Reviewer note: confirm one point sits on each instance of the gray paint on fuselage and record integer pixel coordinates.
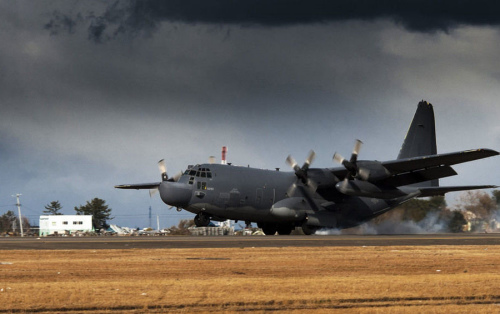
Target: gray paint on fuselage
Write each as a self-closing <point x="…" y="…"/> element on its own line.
<point x="243" y="193"/>
<point x="239" y="193"/>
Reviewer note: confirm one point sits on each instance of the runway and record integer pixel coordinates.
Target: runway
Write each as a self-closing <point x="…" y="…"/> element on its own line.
<point x="100" y="243"/>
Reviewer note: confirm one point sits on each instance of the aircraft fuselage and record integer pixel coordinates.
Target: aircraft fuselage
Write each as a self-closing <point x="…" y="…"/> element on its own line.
<point x="255" y="195"/>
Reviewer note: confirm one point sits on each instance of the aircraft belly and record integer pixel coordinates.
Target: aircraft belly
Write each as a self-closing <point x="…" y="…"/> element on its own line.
<point x="357" y="210"/>
<point x="246" y="213"/>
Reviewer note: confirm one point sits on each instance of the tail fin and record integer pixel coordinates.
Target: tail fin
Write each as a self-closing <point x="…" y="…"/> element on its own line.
<point x="421" y="137"/>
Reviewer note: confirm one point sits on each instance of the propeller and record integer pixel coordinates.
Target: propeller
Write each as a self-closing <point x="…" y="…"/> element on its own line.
<point x="164" y="177"/>
<point x="351" y="164"/>
<point x="301" y="173"/>
<point x="163" y="171"/>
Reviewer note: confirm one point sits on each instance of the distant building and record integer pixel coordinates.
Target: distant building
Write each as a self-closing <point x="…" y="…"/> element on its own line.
<point x="65" y="224"/>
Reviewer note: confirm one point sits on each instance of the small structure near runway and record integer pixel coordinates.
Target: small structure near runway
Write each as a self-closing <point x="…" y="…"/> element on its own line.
<point x="65" y="224"/>
<point x="211" y="231"/>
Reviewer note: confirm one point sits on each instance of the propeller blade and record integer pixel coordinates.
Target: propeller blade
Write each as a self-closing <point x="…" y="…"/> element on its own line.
<point x="347" y="164"/>
<point x="161" y="166"/>
<point x="291" y="162"/>
<point x="163" y="169"/>
<point x="309" y="160"/>
<point x="364" y="174"/>
<point x="343" y="185"/>
<point x="177" y="176"/>
<point x="312" y="186"/>
<point x="152" y="192"/>
<point x="308" y="197"/>
<point x="291" y="190"/>
<point x="350" y="165"/>
<point x="355" y="151"/>
<point x="338" y="158"/>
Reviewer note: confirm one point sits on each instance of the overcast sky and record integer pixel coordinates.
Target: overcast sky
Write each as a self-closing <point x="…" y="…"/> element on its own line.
<point x="94" y="93"/>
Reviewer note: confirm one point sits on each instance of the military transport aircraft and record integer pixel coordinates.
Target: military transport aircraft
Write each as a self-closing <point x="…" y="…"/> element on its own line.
<point x="313" y="198"/>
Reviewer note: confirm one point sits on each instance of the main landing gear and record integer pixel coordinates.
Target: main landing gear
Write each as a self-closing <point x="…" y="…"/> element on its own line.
<point x="201" y="220"/>
<point x="285" y="229"/>
<point x="308" y="230"/>
<point x="271" y="229"/>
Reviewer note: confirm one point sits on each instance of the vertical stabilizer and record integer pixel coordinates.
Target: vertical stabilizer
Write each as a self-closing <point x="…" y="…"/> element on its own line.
<point x="421" y="137"/>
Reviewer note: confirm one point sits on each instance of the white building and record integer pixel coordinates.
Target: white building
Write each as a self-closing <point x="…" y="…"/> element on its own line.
<point x="62" y="224"/>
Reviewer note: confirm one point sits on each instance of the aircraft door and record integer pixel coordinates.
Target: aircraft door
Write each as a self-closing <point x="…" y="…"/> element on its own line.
<point x="234" y="198"/>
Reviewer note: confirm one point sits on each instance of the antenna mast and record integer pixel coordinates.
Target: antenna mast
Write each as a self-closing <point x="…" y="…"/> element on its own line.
<point x="150" y="217"/>
<point x="19" y="211"/>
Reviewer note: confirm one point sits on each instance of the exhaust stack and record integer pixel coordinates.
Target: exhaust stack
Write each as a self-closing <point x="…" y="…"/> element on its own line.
<point x="224" y="152"/>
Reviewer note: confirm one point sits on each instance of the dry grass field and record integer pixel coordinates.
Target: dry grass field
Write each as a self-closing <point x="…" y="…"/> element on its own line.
<point x="439" y="279"/>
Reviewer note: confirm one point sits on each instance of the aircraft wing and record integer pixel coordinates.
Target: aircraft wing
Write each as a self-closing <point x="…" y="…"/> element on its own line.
<point x="142" y="186"/>
<point x="417" y="163"/>
<point x="425" y="168"/>
<point x="434" y="191"/>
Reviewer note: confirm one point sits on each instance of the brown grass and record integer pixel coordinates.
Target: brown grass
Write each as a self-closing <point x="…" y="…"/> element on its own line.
<point x="439" y="279"/>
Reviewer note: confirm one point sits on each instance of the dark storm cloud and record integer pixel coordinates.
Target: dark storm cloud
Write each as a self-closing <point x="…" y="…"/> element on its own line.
<point x="63" y="23"/>
<point x="135" y="17"/>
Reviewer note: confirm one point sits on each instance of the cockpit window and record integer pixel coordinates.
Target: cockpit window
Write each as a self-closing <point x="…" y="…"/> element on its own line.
<point x="198" y="172"/>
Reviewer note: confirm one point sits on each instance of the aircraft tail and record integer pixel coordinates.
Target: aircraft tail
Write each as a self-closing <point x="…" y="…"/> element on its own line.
<point x="421" y="137"/>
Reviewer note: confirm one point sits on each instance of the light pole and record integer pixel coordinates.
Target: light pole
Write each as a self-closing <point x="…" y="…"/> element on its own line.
<point x="19" y="211"/>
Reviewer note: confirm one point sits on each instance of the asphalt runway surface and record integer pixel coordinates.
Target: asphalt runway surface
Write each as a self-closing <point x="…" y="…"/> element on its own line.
<point x="166" y="242"/>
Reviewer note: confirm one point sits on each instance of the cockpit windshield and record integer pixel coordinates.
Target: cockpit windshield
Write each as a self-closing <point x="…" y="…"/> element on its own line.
<point x="198" y="171"/>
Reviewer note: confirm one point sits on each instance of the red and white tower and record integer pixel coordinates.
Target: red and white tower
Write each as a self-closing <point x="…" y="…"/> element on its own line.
<point x="224" y="153"/>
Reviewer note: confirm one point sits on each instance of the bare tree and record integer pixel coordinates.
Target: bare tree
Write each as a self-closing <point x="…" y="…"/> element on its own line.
<point x="479" y="203"/>
<point x="182" y="228"/>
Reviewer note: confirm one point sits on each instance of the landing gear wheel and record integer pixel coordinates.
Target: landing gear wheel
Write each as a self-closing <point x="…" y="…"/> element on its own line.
<point x="269" y="229"/>
<point x="308" y="230"/>
<point x="201" y="220"/>
<point x="284" y="229"/>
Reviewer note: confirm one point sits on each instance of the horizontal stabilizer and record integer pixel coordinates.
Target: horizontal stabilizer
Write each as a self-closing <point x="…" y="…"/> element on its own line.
<point x="435" y="191"/>
<point x="143" y="186"/>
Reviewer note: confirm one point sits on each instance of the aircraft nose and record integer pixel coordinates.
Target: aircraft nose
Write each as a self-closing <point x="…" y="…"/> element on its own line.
<point x="175" y="193"/>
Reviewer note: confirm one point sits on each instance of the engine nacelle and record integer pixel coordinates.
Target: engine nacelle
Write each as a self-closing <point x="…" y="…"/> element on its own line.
<point x="367" y="189"/>
<point x="372" y="171"/>
<point x="175" y="193"/>
<point x="291" y="209"/>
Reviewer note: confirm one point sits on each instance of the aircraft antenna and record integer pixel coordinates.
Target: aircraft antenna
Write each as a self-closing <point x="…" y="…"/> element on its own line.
<point x="149" y="216"/>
